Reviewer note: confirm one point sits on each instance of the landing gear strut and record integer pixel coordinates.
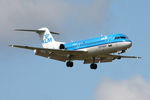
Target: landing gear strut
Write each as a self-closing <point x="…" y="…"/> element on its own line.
<point x="69" y="64"/>
<point x="119" y="58"/>
<point x="93" y="66"/>
<point x="123" y="51"/>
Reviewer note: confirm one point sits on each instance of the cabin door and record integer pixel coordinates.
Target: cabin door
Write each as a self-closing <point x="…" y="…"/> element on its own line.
<point x="109" y="42"/>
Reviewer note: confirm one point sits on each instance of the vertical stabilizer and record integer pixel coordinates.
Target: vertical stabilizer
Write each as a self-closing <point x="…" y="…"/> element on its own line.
<point x="46" y="38"/>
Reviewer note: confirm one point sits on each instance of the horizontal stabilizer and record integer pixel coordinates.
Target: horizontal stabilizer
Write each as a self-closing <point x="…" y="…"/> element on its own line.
<point x="37" y="31"/>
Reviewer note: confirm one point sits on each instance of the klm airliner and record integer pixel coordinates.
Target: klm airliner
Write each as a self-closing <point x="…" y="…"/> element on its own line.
<point x="91" y="51"/>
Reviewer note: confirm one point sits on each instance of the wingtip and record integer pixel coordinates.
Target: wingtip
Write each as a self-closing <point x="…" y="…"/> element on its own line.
<point x="11" y="45"/>
<point x="138" y="57"/>
<point x="16" y="29"/>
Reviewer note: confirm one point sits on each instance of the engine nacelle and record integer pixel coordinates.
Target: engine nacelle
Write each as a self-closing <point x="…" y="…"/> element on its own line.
<point x="62" y="46"/>
<point x="41" y="53"/>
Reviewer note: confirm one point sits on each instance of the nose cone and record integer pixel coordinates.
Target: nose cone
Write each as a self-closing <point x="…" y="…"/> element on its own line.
<point x="128" y="44"/>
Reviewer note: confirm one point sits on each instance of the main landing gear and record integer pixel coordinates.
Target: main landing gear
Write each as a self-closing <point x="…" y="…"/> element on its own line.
<point x="69" y="64"/>
<point x="119" y="58"/>
<point x="93" y="66"/>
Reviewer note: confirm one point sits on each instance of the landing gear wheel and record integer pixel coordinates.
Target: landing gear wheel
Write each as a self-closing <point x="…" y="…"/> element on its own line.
<point x="119" y="58"/>
<point x="69" y="64"/>
<point x="93" y="66"/>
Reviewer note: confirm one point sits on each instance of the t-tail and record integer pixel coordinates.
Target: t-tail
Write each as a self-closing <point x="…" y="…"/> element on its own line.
<point x="45" y="37"/>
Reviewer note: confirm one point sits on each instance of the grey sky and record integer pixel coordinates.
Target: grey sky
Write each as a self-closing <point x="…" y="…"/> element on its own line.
<point x="54" y="14"/>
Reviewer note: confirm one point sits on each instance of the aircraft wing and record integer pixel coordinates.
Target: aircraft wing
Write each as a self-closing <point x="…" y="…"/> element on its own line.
<point x="107" y="58"/>
<point x="116" y="56"/>
<point x="63" y="55"/>
<point x="55" y="51"/>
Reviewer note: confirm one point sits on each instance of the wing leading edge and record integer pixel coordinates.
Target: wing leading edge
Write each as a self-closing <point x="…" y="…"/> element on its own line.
<point x="57" y="51"/>
<point x="107" y="58"/>
<point x="120" y="56"/>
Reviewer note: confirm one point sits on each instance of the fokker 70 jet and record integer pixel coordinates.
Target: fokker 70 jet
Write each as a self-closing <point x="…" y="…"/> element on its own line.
<point x="91" y="51"/>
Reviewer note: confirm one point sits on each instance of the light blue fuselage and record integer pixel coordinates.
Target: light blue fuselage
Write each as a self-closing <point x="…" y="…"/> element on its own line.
<point x="111" y="43"/>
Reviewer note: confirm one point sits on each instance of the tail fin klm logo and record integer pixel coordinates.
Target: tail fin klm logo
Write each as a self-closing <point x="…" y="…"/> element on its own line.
<point x="47" y="38"/>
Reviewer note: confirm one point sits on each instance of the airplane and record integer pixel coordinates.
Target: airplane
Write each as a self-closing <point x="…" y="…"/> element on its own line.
<point x="91" y="51"/>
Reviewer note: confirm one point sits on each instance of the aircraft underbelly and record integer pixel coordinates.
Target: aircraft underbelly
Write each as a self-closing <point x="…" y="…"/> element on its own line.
<point x="106" y="48"/>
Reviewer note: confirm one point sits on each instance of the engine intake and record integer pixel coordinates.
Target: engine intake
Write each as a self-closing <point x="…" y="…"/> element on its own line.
<point x="62" y="46"/>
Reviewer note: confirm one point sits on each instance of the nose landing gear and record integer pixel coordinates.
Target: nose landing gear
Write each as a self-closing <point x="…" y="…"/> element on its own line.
<point x="122" y="51"/>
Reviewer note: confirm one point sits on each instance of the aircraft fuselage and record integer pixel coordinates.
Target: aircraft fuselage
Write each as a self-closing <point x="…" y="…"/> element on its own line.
<point x="101" y="45"/>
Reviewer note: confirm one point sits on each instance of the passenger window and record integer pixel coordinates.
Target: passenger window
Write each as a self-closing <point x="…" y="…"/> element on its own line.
<point x="123" y="37"/>
<point x="117" y="37"/>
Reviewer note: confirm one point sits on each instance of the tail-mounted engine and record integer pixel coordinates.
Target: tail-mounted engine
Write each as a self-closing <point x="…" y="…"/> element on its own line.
<point x="62" y="46"/>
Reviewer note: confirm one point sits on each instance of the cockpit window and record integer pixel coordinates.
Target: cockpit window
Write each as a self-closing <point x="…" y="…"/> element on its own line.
<point x="121" y="37"/>
<point x="117" y="37"/>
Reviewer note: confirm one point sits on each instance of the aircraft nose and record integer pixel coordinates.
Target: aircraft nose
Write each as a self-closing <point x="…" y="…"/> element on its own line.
<point x="128" y="44"/>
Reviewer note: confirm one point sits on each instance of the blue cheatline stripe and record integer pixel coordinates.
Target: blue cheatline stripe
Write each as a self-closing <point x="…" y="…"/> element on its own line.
<point x="79" y="47"/>
<point x="92" y="45"/>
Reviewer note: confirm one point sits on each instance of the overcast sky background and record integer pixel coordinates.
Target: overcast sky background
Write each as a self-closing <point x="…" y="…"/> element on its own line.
<point x="24" y="76"/>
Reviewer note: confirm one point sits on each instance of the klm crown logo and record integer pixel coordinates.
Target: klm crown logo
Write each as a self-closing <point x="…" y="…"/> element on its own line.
<point x="47" y="38"/>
